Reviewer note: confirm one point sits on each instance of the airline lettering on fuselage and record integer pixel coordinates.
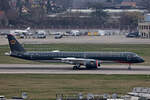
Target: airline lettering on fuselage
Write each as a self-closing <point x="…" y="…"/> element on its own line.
<point x="12" y="42"/>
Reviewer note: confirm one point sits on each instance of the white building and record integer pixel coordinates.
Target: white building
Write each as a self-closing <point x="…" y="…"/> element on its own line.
<point x="144" y="27"/>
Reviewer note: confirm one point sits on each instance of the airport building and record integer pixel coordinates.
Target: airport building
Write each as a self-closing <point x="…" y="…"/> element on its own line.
<point x="144" y="27"/>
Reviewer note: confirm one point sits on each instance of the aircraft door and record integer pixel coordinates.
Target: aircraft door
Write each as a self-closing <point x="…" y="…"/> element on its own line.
<point x="31" y="56"/>
<point x="129" y="57"/>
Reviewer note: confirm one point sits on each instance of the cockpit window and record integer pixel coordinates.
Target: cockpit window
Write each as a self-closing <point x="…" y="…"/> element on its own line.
<point x="135" y="55"/>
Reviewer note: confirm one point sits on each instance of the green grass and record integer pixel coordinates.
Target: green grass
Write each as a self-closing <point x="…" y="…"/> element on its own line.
<point x="44" y="87"/>
<point x="141" y="49"/>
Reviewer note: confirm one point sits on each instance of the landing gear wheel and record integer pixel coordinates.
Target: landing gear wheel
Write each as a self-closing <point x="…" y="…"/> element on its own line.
<point x="75" y="68"/>
<point x="129" y="68"/>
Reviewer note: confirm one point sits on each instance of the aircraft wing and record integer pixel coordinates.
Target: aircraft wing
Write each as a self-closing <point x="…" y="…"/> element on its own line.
<point x="82" y="61"/>
<point x="75" y="60"/>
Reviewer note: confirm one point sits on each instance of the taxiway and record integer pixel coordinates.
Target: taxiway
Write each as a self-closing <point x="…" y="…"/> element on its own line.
<point x="117" y="39"/>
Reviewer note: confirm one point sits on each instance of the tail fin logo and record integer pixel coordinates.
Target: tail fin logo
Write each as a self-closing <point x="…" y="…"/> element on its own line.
<point x="12" y="41"/>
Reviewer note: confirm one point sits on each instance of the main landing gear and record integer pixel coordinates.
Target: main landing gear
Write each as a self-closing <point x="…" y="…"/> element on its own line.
<point x="76" y="67"/>
<point x="129" y="68"/>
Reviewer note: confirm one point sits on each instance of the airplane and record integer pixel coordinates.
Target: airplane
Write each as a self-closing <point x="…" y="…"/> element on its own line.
<point x="91" y="60"/>
<point x="21" y="32"/>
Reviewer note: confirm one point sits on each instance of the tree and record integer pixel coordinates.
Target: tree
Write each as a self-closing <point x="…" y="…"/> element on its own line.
<point x="48" y="6"/>
<point x="64" y="3"/>
<point x="27" y="4"/>
<point x="98" y="13"/>
<point x="109" y="1"/>
<point x="130" y="20"/>
<point x="4" y="5"/>
<point x="19" y="5"/>
<point x="98" y="7"/>
<point x="37" y="15"/>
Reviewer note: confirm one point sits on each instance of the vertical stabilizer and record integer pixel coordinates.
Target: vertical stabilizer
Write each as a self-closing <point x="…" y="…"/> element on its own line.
<point x="15" y="46"/>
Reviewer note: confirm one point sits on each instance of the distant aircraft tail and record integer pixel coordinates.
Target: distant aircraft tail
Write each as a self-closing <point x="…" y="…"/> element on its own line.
<point x="15" y="46"/>
<point x="28" y="29"/>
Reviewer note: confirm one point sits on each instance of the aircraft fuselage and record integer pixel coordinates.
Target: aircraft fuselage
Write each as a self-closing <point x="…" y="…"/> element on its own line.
<point x="122" y="57"/>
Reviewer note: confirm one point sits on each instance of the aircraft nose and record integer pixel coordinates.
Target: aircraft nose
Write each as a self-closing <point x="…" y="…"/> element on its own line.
<point x="141" y="60"/>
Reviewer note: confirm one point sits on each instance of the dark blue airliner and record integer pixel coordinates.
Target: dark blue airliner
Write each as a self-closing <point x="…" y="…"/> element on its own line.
<point x="90" y="60"/>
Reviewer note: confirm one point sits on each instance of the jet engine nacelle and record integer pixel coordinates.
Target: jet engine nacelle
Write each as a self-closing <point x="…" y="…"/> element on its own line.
<point x="92" y="64"/>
